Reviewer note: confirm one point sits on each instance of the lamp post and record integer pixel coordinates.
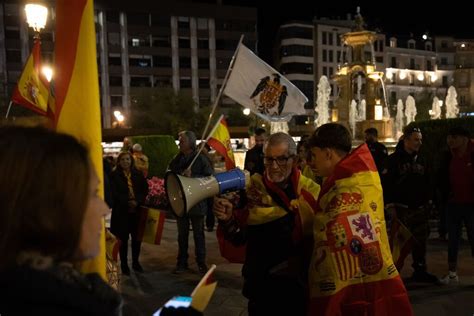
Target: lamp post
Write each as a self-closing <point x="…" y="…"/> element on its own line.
<point x="36" y="16"/>
<point x="119" y="119"/>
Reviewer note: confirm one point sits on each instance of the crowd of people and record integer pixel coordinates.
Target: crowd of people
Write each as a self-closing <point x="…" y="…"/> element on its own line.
<point x="312" y="219"/>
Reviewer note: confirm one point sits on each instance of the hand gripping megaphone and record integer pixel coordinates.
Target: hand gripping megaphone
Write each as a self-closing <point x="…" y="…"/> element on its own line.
<point x="183" y="192"/>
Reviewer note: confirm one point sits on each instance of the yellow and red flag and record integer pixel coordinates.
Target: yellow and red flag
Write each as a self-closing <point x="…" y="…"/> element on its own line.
<point x="32" y="90"/>
<point x="352" y="271"/>
<point x="401" y="242"/>
<point x="77" y="104"/>
<point x="202" y="294"/>
<point x="220" y="141"/>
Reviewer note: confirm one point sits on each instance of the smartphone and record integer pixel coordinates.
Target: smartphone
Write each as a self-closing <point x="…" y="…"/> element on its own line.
<point x="177" y="301"/>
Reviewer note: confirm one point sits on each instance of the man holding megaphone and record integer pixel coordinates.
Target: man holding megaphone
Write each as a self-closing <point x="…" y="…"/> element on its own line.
<point x="277" y="232"/>
<point x="200" y="168"/>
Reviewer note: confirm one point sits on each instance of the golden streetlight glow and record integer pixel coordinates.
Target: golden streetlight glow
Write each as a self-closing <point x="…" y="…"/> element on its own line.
<point x="36" y="16"/>
<point x="47" y="72"/>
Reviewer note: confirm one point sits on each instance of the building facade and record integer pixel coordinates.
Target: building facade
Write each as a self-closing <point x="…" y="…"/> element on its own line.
<point x="183" y="45"/>
<point x="422" y="67"/>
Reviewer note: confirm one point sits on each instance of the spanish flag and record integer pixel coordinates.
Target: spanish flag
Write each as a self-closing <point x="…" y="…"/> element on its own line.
<point x="77" y="105"/>
<point x="220" y="141"/>
<point x="32" y="90"/>
<point x="203" y="292"/>
<point x="401" y="243"/>
<point x="352" y="271"/>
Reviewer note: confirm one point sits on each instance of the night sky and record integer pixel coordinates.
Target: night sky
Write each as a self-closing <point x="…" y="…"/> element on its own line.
<point x="393" y="17"/>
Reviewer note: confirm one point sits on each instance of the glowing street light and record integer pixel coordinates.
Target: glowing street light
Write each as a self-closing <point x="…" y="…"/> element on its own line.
<point x="119" y="116"/>
<point x="246" y="111"/>
<point x="36" y="16"/>
<point x="47" y="72"/>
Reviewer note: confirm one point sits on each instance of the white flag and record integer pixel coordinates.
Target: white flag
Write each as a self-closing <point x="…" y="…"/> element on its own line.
<point x="257" y="86"/>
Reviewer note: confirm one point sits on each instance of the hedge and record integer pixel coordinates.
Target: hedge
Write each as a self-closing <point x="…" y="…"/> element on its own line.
<point x="159" y="149"/>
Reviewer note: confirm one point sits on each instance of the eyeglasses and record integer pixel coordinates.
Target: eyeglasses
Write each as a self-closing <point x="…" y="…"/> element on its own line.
<point x="281" y="161"/>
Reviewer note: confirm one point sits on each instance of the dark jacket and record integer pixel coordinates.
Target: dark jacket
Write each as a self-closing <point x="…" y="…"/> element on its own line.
<point x="25" y="291"/>
<point x="406" y="180"/>
<point x="201" y="168"/>
<point x="254" y="160"/>
<point x="443" y="183"/>
<point x="120" y="220"/>
<point x="379" y="153"/>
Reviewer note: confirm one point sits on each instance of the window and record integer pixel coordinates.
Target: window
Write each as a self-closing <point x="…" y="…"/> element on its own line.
<point x="139" y="81"/>
<point x="444" y="44"/>
<point x="381" y="45"/>
<point x="115" y="61"/>
<point x="115" y="81"/>
<point x="411" y="45"/>
<point x="12" y="34"/>
<point x="296" y="50"/>
<point x="161" y="41"/>
<point x="136" y="61"/>
<point x="412" y="63"/>
<point x="203" y="43"/>
<point x="185" y="82"/>
<point x="331" y="71"/>
<point x="138" y="19"/>
<point x="297" y="68"/>
<point x="184" y="42"/>
<point x="393" y="62"/>
<point x="338" y="39"/>
<point x="393" y="97"/>
<point x="429" y="67"/>
<point x="462" y="100"/>
<point x="185" y="62"/>
<point x="14" y="56"/>
<point x="338" y="56"/>
<point x="162" y="81"/>
<point x="135" y="42"/>
<point x="379" y="59"/>
<point x="296" y="32"/>
<point x="428" y="47"/>
<point x="226" y="44"/>
<point x="444" y="61"/>
<point x="113" y="17"/>
<point x="445" y="81"/>
<point x="325" y="38"/>
<point x="325" y="55"/>
<point x="116" y="100"/>
<point x="162" y="61"/>
<point x="202" y="24"/>
<point x="203" y="63"/>
<point x="325" y="71"/>
<point x="183" y="22"/>
<point x="158" y="20"/>
<point x="204" y="83"/>
<point x="330" y="38"/>
<point x="331" y="55"/>
<point x="113" y="38"/>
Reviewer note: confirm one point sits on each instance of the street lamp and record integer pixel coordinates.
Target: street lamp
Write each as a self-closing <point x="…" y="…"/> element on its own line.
<point x="246" y="111"/>
<point x="36" y="16"/>
<point x="47" y="72"/>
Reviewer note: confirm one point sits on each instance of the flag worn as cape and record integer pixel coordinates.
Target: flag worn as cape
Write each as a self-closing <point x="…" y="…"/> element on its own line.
<point x="77" y="105"/>
<point x="32" y="90"/>
<point x="352" y="271"/>
<point x="254" y="84"/>
<point x="220" y="141"/>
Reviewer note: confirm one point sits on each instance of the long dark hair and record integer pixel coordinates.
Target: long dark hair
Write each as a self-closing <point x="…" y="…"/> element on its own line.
<point x="44" y="191"/>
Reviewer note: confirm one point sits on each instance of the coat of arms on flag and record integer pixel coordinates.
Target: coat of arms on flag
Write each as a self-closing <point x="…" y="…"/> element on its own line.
<point x="270" y="95"/>
<point x="255" y="85"/>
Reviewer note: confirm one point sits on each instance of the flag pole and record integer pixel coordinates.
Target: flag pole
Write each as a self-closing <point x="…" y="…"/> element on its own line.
<point x="8" y="110"/>
<point x="216" y="101"/>
<point x="204" y="279"/>
<point x="205" y="141"/>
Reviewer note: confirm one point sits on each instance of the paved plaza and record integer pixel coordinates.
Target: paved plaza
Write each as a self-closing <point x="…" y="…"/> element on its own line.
<point x="144" y="293"/>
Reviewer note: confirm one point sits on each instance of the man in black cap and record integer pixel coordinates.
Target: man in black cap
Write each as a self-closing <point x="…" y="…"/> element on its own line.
<point x="378" y="150"/>
<point x="456" y="184"/>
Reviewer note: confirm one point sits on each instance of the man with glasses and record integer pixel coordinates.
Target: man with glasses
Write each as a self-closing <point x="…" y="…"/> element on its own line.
<point x="277" y="231"/>
<point x="407" y="195"/>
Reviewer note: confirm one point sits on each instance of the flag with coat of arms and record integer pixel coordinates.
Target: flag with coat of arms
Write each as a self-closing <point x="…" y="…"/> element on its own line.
<point x="255" y="85"/>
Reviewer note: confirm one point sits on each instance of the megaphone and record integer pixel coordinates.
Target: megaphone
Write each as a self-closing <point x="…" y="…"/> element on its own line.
<point x="183" y="192"/>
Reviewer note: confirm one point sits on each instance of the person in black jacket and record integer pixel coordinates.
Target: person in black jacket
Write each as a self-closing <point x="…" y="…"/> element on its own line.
<point x="407" y="193"/>
<point x="378" y="150"/>
<point x="201" y="168"/>
<point x="50" y="220"/>
<point x="129" y="190"/>
<point x="254" y="157"/>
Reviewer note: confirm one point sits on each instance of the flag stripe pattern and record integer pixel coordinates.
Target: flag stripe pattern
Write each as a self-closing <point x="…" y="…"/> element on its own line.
<point x="77" y="104"/>
<point x="220" y="141"/>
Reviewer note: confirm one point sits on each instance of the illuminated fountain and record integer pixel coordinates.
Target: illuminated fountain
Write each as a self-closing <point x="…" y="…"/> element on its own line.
<point x="358" y="80"/>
